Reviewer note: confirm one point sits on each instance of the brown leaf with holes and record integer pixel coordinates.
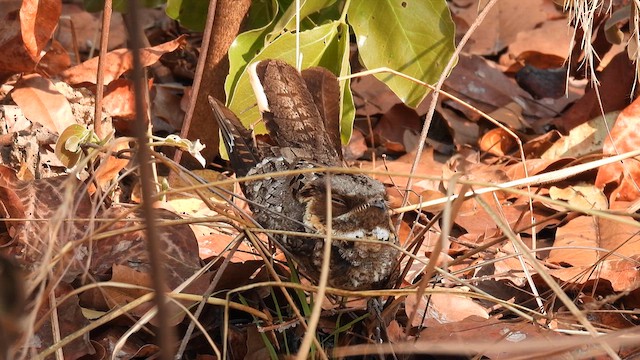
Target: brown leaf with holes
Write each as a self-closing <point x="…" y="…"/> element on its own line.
<point x="129" y="248"/>
<point x="45" y="208"/>
<point x="118" y="62"/>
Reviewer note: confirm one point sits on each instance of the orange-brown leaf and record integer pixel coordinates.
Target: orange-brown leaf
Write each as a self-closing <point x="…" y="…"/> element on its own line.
<point x="42" y="103"/>
<point x="118" y="62"/>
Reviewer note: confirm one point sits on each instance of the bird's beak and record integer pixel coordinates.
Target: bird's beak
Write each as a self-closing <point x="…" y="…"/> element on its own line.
<point x="379" y="203"/>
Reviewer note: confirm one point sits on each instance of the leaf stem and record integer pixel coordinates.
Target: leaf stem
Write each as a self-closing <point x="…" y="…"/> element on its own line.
<point x="343" y="16"/>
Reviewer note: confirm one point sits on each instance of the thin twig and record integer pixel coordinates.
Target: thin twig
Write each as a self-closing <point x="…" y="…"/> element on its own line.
<point x="104" y="44"/>
<point x="166" y="338"/>
<point x="324" y="277"/>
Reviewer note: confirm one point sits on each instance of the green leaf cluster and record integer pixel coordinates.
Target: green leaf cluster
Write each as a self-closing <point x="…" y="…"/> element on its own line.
<point x="415" y="37"/>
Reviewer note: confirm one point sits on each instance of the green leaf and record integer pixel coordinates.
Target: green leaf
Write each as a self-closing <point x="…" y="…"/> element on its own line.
<point x="307" y="7"/>
<point x="191" y="14"/>
<point x="118" y="5"/>
<point x="324" y="45"/>
<point x="347" y="108"/>
<point x="411" y="36"/>
<point x="261" y="13"/>
<point x="247" y="45"/>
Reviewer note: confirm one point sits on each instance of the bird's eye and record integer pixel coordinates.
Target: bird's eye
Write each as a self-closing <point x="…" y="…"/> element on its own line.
<point x="338" y="201"/>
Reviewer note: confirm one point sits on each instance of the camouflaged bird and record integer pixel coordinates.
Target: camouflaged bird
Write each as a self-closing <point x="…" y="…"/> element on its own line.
<point x="301" y="113"/>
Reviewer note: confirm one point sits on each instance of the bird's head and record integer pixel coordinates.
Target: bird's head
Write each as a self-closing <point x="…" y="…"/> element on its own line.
<point x="359" y="207"/>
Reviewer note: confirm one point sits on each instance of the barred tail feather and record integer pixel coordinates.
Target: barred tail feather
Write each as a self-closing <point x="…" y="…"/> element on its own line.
<point x="237" y="139"/>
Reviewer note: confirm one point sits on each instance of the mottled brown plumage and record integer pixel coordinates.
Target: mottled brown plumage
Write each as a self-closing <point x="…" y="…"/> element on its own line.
<point x="298" y="202"/>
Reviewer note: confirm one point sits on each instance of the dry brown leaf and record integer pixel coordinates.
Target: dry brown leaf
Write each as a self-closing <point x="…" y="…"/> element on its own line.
<point x="535" y="166"/>
<point x="478" y="83"/>
<point x="42" y="103"/>
<point x="594" y="233"/>
<point x="118" y="62"/>
<point x="391" y="129"/>
<point x="584" y="139"/>
<point x="87" y="29"/>
<point x="550" y="38"/>
<point x="616" y="83"/>
<point x="395" y="332"/>
<point x="511" y="116"/>
<point x="509" y="266"/>
<point x="129" y="248"/>
<point x="622" y="274"/>
<point x="134" y="348"/>
<point x="371" y="96"/>
<point x="625" y="175"/>
<point x="110" y="168"/>
<point x="41" y="205"/>
<point x="216" y="242"/>
<point x="535" y="147"/>
<point x="543" y="83"/>
<point x="443" y="309"/>
<point x="536" y="59"/>
<point x="119" y="102"/>
<point x="463" y="130"/>
<point x="54" y="61"/>
<point x="119" y="99"/>
<point x="428" y="166"/>
<point x="38" y="20"/>
<point x="70" y="319"/>
<point x="166" y="107"/>
<point x="497" y="142"/>
<point x="507" y="19"/>
<point x="496" y="333"/>
<point x="256" y="347"/>
<point x="115" y="297"/>
<point x="356" y="147"/>
<point x="584" y="196"/>
<point x="14" y="57"/>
